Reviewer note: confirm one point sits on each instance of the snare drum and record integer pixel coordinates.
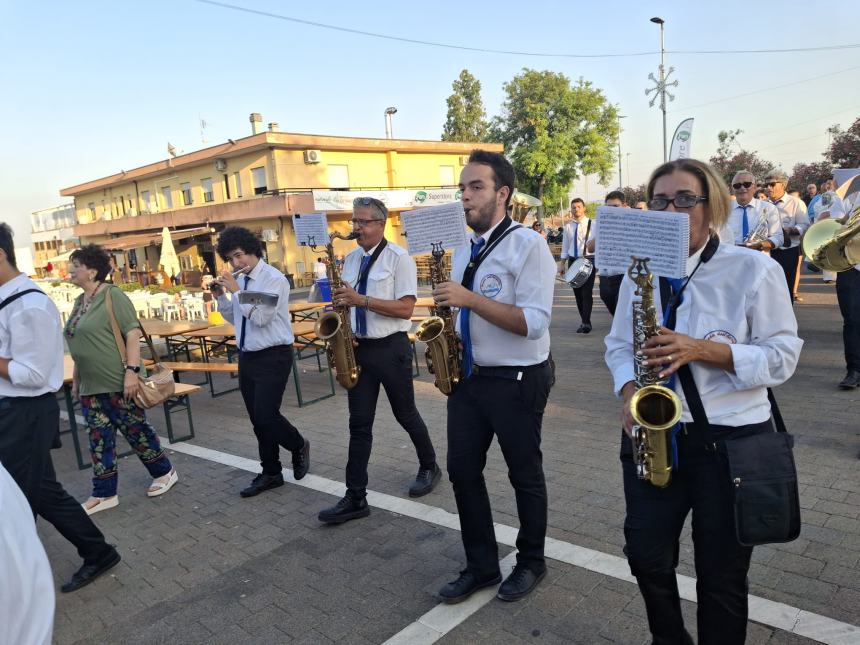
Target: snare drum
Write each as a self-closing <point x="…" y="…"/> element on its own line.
<point x="578" y="272"/>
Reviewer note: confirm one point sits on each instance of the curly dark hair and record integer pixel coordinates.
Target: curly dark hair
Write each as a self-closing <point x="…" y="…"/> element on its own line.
<point x="237" y="237"/>
<point x="93" y="257"/>
<point x="6" y="243"/>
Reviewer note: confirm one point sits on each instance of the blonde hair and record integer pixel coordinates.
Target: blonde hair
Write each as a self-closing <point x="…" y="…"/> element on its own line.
<point x="718" y="205"/>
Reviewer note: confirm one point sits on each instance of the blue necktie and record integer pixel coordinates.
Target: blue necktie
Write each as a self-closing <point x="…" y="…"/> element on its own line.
<point x="746" y="223"/>
<point x="361" y="312"/>
<point x="575" y="240"/>
<point x="244" y="319"/>
<point x="465" y="335"/>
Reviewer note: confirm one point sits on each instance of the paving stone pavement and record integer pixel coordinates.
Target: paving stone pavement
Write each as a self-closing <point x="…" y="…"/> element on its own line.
<point x="202" y="565"/>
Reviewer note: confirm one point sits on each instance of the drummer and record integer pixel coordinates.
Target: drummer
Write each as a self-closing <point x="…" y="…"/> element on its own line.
<point x="610" y="282"/>
<point x="574" y="237"/>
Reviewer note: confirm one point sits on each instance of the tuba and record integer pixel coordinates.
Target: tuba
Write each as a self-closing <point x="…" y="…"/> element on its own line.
<point x="655" y="408"/>
<point x="335" y="328"/>
<point x="443" y="353"/>
<point x="833" y="246"/>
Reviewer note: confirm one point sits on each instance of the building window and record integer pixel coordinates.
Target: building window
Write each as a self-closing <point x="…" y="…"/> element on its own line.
<point x="238" y="179"/>
<point x="144" y="201"/>
<point x="227" y="186"/>
<point x="446" y="176"/>
<point x="258" y="179"/>
<point x="208" y="193"/>
<point x="167" y="196"/>
<point x="338" y="176"/>
<point x="91" y="207"/>
<point x="186" y="194"/>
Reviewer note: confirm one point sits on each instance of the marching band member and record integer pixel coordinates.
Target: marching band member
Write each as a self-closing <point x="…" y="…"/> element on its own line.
<point x="736" y="329"/>
<point x="575" y="235"/>
<point x="265" y="339"/>
<point x="795" y="221"/>
<point x="382" y="298"/>
<point x="748" y="214"/>
<point x="503" y="284"/>
<point x="610" y="282"/>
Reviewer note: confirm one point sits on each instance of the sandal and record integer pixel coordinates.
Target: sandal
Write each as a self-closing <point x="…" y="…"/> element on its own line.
<point x="99" y="504"/>
<point x="159" y="488"/>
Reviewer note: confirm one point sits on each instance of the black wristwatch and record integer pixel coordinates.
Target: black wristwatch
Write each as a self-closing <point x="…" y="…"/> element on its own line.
<point x="133" y="368"/>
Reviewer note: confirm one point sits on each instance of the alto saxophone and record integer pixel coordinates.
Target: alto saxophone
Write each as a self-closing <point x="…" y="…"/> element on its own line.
<point x="655" y="408"/>
<point x="334" y="327"/>
<point x="443" y="346"/>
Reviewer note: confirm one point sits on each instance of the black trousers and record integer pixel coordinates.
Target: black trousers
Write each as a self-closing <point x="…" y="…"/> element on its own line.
<point x="386" y="362"/>
<point x="263" y="377"/>
<point x="652" y="528"/>
<point x="609" y="287"/>
<point x="788" y="260"/>
<point x="28" y="427"/>
<point x="848" y="294"/>
<point x="584" y="296"/>
<point x="511" y="410"/>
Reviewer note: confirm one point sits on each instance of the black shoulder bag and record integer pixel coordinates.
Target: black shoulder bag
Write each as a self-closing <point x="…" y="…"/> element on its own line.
<point x="762" y="473"/>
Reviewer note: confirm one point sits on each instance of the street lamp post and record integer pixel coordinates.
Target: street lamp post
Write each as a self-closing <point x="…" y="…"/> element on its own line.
<point x="389" y="132"/>
<point x="661" y="84"/>
<point x="620" y="180"/>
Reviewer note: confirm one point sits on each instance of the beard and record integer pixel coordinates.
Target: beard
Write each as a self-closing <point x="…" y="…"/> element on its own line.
<point x="480" y="219"/>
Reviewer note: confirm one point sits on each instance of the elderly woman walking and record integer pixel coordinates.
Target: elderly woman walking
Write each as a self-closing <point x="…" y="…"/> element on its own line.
<point x="105" y="385"/>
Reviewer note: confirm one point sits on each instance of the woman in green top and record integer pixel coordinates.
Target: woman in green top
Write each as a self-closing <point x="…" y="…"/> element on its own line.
<point x="105" y="386"/>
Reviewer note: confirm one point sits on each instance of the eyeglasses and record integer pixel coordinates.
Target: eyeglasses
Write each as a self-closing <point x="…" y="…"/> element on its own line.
<point x="683" y="200"/>
<point x="771" y="184"/>
<point x="742" y="184"/>
<point x="363" y="222"/>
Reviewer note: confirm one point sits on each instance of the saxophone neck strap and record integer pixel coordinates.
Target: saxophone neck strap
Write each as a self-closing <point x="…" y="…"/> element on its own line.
<point x="362" y="276"/>
<point x="502" y="231"/>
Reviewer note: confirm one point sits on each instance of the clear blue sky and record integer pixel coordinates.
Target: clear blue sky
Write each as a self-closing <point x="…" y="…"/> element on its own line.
<point x="96" y="86"/>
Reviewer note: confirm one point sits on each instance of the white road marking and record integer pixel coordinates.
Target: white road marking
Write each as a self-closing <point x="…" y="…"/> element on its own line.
<point x="443" y="618"/>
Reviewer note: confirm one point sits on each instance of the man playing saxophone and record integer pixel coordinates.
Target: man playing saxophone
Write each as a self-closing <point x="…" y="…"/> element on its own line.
<point x="753" y="223"/>
<point x="380" y="285"/>
<point x="732" y="322"/>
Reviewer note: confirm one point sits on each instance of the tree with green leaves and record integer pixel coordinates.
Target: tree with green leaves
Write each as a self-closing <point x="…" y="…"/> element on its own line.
<point x="844" y="150"/>
<point x="554" y="132"/>
<point x="731" y="157"/>
<point x="467" y="120"/>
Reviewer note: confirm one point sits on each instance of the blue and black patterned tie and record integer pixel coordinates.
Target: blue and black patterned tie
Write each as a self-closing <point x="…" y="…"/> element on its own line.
<point x="746" y="223"/>
<point x="465" y="335"/>
<point x="361" y="287"/>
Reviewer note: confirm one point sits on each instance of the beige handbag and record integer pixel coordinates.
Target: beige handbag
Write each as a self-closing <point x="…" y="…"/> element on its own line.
<point x="158" y="385"/>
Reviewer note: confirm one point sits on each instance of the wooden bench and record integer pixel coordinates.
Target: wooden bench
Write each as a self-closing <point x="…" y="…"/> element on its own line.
<point x="204" y="368"/>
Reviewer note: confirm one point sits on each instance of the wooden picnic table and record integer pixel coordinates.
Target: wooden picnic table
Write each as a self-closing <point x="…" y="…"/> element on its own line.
<point x="426" y="302"/>
<point x="172" y="328"/>
<point x="306" y="310"/>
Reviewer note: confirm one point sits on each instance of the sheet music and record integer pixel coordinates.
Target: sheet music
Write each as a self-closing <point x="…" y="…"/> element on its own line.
<point x="258" y="298"/>
<point x="426" y="227"/>
<point x="311" y="229"/>
<point x="660" y="235"/>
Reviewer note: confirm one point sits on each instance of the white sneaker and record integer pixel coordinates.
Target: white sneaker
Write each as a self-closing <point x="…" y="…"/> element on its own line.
<point x="98" y="504"/>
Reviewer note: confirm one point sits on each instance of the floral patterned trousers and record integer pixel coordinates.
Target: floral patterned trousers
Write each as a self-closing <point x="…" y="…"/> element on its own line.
<point x="106" y="414"/>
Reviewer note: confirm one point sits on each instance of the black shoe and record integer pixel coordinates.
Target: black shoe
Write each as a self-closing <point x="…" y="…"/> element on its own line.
<point x="348" y="508"/>
<point x="520" y="583"/>
<point x="465" y="586"/>
<point x="586" y="329"/>
<point x="89" y="572"/>
<point x="302" y="460"/>
<point x="851" y="380"/>
<point x="581" y="329"/>
<point x="261" y="483"/>
<point x="425" y="481"/>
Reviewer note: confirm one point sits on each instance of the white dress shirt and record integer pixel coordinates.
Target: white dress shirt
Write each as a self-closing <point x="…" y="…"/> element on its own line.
<point x="792" y="211"/>
<point x="581" y="231"/>
<point x="757" y="212"/>
<point x="26" y="584"/>
<point x="738" y="298"/>
<point x="266" y="326"/>
<point x="519" y="271"/>
<point x="391" y="277"/>
<point x="36" y="367"/>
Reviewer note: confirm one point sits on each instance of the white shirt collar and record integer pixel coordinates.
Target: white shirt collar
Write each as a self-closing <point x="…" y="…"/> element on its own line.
<point x="370" y="252"/>
<point x="10" y="287"/>
<point x="486" y="235"/>
<point x="693" y="260"/>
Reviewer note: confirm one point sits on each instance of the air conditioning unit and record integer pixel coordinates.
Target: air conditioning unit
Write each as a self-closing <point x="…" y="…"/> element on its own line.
<point x="313" y="156"/>
<point x="220" y="165"/>
<point x="269" y="235"/>
<point x="464" y="159"/>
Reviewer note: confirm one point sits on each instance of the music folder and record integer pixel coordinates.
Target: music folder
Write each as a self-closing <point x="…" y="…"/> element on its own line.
<point x="258" y="298"/>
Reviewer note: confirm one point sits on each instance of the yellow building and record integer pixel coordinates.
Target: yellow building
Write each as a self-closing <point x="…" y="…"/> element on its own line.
<point x="260" y="182"/>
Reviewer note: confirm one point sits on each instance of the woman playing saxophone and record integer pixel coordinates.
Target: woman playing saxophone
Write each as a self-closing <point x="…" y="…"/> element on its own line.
<point x="731" y="321"/>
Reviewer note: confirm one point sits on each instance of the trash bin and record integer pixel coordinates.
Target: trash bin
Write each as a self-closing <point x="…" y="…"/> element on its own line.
<point x="324" y="290"/>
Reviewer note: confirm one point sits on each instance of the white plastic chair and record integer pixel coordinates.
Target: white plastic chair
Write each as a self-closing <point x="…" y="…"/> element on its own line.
<point x="169" y="310"/>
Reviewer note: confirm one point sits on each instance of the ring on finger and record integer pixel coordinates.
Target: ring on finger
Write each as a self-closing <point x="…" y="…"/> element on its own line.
<point x="669" y="358"/>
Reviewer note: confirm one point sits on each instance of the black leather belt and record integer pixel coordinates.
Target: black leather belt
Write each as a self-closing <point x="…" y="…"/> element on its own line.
<point x="512" y="372"/>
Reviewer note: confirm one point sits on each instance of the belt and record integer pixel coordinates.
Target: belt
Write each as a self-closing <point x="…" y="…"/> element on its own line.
<point x="512" y="372"/>
<point x="385" y="339"/>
